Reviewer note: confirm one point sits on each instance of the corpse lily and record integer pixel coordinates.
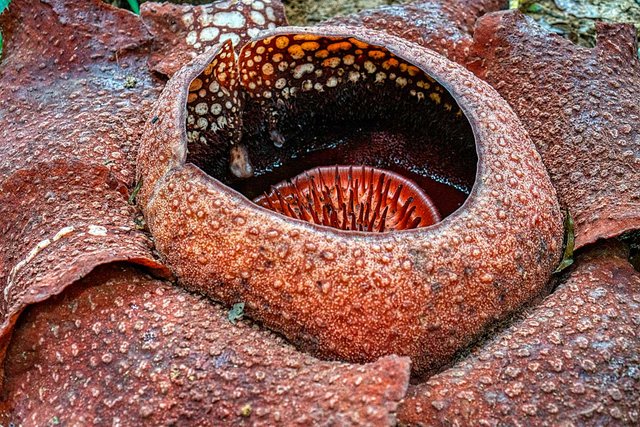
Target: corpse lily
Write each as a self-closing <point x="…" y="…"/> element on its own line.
<point x="351" y="294"/>
<point x="360" y="194"/>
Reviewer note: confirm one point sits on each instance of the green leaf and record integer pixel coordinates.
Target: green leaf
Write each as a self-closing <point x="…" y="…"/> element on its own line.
<point x="134" y="193"/>
<point x="133" y="4"/>
<point x="534" y="8"/>
<point x="514" y="4"/>
<point x="4" y="4"/>
<point x="236" y="312"/>
<point x="570" y="240"/>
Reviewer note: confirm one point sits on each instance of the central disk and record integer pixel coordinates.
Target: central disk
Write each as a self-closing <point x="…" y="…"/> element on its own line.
<point x="352" y="198"/>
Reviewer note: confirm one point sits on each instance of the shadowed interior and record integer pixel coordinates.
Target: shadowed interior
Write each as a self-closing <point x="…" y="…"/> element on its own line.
<point x="296" y="102"/>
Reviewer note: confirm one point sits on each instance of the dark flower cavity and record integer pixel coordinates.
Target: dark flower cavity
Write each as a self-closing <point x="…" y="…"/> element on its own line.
<point x="298" y="101"/>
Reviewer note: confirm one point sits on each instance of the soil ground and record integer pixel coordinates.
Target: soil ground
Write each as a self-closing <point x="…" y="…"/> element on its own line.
<point x="306" y="12"/>
<point x="576" y="19"/>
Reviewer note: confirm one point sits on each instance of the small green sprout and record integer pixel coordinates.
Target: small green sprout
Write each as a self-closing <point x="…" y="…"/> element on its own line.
<point x="534" y="8"/>
<point x="570" y="239"/>
<point x="134" y="193"/>
<point x="236" y="312"/>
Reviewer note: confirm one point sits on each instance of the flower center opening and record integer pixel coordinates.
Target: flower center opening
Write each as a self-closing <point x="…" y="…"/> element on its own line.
<point x="291" y="103"/>
<point x="352" y="198"/>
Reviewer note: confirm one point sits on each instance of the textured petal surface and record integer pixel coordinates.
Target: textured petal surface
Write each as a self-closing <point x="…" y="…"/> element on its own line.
<point x="352" y="296"/>
<point x="571" y="361"/>
<point x="74" y="98"/>
<point x="580" y="107"/>
<point x="181" y="32"/>
<point x="59" y="220"/>
<point x="71" y="90"/>
<point x="121" y="348"/>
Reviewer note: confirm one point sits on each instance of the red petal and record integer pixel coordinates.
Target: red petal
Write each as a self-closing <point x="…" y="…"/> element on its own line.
<point x="119" y="345"/>
<point x="571" y="360"/>
<point x="581" y="109"/>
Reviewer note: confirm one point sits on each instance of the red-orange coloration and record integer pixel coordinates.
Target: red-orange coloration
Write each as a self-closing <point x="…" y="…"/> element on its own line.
<point x="348" y="198"/>
<point x="425" y="292"/>
<point x="573" y="360"/>
<point x="84" y="340"/>
<point x="73" y="102"/>
<point x="122" y="347"/>
<point x="69" y="131"/>
<point x="587" y="123"/>
<point x="580" y="107"/>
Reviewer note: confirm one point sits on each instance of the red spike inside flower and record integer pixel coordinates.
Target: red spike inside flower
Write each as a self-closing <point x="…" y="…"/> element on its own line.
<point x="356" y="198"/>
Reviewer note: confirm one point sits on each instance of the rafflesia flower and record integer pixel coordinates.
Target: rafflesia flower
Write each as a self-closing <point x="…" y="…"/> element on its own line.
<point x="344" y="278"/>
<point x="344" y="186"/>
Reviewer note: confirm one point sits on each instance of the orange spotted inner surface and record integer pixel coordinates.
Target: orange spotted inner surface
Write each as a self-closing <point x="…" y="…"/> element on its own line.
<point x="353" y="198"/>
<point x="215" y="102"/>
<point x="285" y="65"/>
<point x="298" y="96"/>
